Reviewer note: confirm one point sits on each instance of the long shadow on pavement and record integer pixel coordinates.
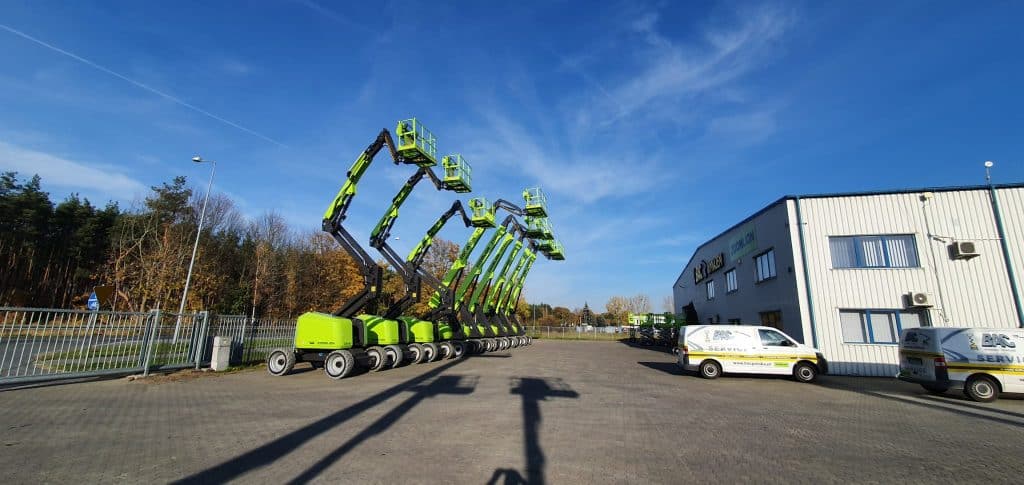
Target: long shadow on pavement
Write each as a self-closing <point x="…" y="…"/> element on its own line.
<point x="278" y="448"/>
<point x="654" y="347"/>
<point x="440" y="386"/>
<point x="666" y="367"/>
<point x="532" y="390"/>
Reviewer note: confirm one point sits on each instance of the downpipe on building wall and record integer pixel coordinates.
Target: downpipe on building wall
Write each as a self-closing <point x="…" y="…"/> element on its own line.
<point x="807" y="277"/>
<point x="1006" y="254"/>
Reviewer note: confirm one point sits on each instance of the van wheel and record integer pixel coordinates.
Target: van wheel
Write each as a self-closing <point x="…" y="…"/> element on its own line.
<point x="981" y="389"/>
<point x="710" y="369"/>
<point x="935" y="388"/>
<point x="804" y="372"/>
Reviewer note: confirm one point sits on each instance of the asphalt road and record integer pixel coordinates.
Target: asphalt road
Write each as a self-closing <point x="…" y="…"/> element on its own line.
<point x="556" y="412"/>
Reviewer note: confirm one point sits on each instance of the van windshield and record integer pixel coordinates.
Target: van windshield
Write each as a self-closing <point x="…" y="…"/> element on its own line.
<point x="771" y="338"/>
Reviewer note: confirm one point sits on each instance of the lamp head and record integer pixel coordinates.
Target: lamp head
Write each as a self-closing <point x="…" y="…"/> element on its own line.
<point x="197" y="159"/>
<point x="988" y="164"/>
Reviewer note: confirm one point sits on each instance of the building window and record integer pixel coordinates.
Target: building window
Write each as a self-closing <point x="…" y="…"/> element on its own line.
<point x="878" y="326"/>
<point x="711" y="289"/>
<point x="730" y="281"/>
<point x="765" y="263"/>
<point x="896" y="251"/>
<point x="771" y="319"/>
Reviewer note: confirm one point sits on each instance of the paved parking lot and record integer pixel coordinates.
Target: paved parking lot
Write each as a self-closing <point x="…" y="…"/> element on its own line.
<point x="559" y="411"/>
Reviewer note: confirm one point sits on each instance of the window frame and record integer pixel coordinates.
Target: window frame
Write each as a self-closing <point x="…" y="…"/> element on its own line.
<point x="858" y="251"/>
<point x="865" y="320"/>
<point x="709" y="289"/>
<point x="773" y="266"/>
<point x="735" y="282"/>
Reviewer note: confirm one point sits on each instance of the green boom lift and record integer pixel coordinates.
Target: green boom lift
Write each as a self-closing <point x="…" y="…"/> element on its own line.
<point x="340" y="340"/>
<point x="417" y="337"/>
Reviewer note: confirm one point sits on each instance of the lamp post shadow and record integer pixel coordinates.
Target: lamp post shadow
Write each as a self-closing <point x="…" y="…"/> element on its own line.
<point x="532" y="390"/>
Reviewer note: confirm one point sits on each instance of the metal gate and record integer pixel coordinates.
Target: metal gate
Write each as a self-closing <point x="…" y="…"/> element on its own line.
<point x="47" y="344"/>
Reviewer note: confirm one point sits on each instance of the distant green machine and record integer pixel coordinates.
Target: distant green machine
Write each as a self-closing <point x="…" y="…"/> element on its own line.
<point x="468" y="313"/>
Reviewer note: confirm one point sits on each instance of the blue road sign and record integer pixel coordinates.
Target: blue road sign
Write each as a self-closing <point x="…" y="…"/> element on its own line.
<point x="94" y="302"/>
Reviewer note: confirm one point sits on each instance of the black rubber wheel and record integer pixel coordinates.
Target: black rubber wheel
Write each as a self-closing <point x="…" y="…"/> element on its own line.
<point x="981" y="389"/>
<point x="805" y="372"/>
<point x="935" y="388"/>
<point x="280" y="361"/>
<point x="339" y="364"/>
<point x="417" y="353"/>
<point x="447" y="350"/>
<point x="710" y="369"/>
<point x="460" y="347"/>
<point x="376" y="360"/>
<point x="430" y="353"/>
<point x="395" y="355"/>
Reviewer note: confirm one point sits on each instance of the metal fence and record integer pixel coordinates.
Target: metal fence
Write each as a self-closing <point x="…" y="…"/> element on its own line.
<point x="251" y="339"/>
<point x="578" y="333"/>
<point x="46" y="344"/>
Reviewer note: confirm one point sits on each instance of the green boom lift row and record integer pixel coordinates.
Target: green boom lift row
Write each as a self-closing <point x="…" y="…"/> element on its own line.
<point x="340" y="340"/>
<point x="419" y="340"/>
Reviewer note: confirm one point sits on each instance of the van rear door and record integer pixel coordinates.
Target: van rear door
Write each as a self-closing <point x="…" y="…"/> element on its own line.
<point x="919" y="349"/>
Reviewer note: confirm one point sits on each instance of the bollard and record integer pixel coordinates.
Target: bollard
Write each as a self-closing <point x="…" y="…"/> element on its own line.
<point x="221" y="358"/>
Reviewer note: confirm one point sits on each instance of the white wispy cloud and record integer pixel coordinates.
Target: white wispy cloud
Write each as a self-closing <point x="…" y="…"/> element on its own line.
<point x="62" y="172"/>
<point x="672" y="71"/>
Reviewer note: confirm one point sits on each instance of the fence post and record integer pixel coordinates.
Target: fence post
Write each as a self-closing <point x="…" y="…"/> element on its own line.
<point x="153" y="330"/>
<point x="200" y="345"/>
<point x="89" y="330"/>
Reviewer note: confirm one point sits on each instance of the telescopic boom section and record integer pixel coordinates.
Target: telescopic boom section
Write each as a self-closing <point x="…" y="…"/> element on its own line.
<point x="494" y="291"/>
<point x="513" y="298"/>
<point x="335" y="213"/>
<point x="529" y="252"/>
<point x="488" y="276"/>
<point x="460" y="293"/>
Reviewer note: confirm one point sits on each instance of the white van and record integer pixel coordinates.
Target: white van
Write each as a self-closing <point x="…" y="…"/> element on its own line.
<point x="981" y="361"/>
<point x="714" y="349"/>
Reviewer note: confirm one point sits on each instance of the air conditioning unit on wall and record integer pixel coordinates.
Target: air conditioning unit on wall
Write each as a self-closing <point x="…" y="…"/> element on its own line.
<point x="963" y="250"/>
<point x="919" y="299"/>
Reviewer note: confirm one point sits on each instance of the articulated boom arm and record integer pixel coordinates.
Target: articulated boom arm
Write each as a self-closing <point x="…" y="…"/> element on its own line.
<point x="529" y="252"/>
<point x="513" y="298"/>
<point x="460" y="293"/>
<point x="382" y="230"/>
<point x="335" y="213"/>
<point x="458" y="265"/>
<point x="483" y="284"/>
<point x="494" y="290"/>
<point x="420" y="251"/>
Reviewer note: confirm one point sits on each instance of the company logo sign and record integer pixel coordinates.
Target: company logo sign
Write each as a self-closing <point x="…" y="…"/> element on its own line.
<point x="706" y="267"/>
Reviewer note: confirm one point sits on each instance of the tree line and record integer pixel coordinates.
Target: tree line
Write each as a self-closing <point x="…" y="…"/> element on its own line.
<point x="54" y="254"/>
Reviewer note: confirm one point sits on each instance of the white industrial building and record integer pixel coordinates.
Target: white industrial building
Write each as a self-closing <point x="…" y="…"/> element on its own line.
<point x="846" y="272"/>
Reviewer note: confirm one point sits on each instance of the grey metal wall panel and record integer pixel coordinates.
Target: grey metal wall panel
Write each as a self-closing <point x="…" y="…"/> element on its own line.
<point x="966" y="292"/>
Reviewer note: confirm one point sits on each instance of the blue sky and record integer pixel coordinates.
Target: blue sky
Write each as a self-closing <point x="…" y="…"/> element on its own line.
<point x="652" y="126"/>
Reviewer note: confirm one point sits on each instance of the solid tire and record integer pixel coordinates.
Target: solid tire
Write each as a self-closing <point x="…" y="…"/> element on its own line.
<point x="447" y="350"/>
<point x="460" y="347"/>
<point x="395" y="355"/>
<point x="280" y="362"/>
<point x="430" y="352"/>
<point x="339" y="364"/>
<point x="805" y="372"/>
<point x="710" y="369"/>
<point x="376" y="360"/>
<point x="981" y="389"/>
<point x="417" y="353"/>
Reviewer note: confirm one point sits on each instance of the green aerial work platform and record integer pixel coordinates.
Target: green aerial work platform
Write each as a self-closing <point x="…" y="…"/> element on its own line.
<point x="536" y="203"/>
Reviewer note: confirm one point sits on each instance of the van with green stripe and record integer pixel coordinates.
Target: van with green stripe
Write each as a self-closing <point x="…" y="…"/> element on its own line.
<point x="983" y="362"/>
<point x="711" y="350"/>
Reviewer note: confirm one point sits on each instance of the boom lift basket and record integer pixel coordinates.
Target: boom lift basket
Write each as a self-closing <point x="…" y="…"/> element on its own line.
<point x="536" y="204"/>
<point x="457" y="173"/>
<point x="557" y="252"/>
<point x="538" y="228"/>
<point x="482" y="216"/>
<point x="416" y="144"/>
<point x="545" y="245"/>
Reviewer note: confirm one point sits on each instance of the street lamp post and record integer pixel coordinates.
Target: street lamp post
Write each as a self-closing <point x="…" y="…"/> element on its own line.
<point x="195" y="246"/>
